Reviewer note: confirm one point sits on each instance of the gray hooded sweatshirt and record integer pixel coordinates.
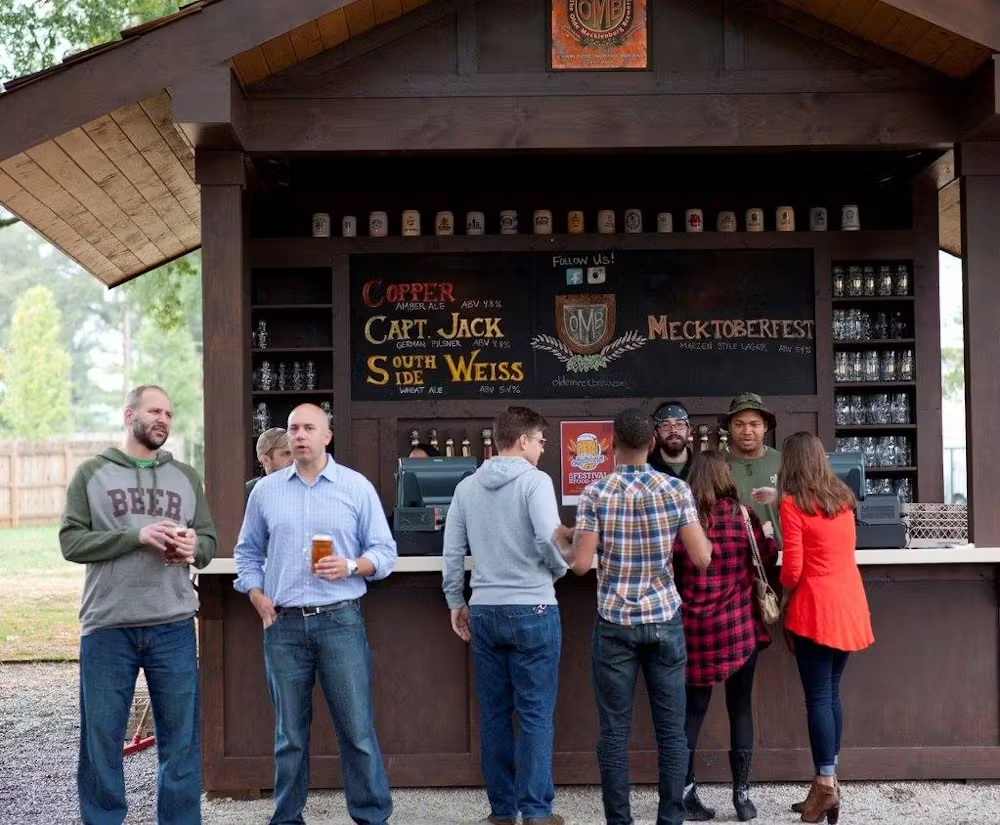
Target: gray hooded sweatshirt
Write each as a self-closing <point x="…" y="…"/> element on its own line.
<point x="110" y="498"/>
<point x="505" y="514"/>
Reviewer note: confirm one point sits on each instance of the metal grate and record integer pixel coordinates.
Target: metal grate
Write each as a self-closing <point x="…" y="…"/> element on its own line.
<point x="936" y="525"/>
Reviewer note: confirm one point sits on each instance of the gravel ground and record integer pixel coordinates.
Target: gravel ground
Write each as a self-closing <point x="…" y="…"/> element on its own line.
<point x="38" y="743"/>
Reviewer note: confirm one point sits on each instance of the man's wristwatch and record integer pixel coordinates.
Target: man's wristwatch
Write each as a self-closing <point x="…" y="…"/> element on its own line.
<point x="352" y="568"/>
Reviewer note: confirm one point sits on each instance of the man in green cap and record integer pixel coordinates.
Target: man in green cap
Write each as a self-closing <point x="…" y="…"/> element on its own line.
<point x="753" y="464"/>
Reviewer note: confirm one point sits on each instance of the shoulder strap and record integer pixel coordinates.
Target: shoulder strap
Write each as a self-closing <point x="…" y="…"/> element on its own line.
<point x="754" y="550"/>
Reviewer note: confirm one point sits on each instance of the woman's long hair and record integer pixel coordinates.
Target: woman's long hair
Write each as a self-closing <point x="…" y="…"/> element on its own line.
<point x="710" y="482"/>
<point x="807" y="477"/>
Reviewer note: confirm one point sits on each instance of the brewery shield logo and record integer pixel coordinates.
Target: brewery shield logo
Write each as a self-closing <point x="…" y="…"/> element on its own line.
<point x="599" y="34"/>
<point x="585" y="325"/>
<point x="593" y="21"/>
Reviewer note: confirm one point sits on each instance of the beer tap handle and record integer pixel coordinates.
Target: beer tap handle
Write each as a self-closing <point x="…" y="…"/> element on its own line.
<point x="433" y="438"/>
<point x="466" y="447"/>
<point x="449" y="447"/>
<point x="414" y="437"/>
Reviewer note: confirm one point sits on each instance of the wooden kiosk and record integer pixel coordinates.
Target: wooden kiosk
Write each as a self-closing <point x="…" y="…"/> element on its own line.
<point x="233" y="125"/>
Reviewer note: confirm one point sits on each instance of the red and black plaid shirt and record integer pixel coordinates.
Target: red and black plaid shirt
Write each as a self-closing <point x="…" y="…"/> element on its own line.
<point x="721" y="625"/>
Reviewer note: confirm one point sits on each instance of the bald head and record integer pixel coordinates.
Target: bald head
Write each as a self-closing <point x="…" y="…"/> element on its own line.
<point x="309" y="433"/>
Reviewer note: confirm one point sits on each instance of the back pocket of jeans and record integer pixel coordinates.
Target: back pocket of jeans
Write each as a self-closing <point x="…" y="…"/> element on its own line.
<point x="536" y="630"/>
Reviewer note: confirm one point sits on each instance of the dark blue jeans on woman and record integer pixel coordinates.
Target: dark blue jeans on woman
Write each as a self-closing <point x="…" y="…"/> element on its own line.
<point x="515" y="651"/>
<point x="619" y="652"/>
<point x="820" y="668"/>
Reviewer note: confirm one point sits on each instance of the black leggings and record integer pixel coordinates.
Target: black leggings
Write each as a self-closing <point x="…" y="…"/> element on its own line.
<point x="739" y="704"/>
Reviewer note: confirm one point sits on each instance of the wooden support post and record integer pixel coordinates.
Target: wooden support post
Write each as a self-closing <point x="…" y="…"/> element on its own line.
<point x="979" y="169"/>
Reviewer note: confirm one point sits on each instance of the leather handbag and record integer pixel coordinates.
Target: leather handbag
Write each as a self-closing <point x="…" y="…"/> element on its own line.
<point x="767" y="599"/>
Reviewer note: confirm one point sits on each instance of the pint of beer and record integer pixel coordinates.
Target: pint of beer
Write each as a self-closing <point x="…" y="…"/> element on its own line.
<point x="322" y="546"/>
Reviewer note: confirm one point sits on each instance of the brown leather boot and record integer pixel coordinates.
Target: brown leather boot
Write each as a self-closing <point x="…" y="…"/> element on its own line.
<point x="825" y="804"/>
<point x="799" y="807"/>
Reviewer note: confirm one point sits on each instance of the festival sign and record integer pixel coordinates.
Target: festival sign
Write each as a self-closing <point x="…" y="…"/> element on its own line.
<point x="586" y="455"/>
<point x="599" y="34"/>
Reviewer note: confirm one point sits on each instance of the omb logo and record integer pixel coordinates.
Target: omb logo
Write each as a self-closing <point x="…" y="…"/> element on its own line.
<point x="600" y="20"/>
<point x="585" y="325"/>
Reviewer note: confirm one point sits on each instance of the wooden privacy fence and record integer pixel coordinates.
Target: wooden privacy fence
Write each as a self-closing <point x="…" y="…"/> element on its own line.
<point x="34" y="478"/>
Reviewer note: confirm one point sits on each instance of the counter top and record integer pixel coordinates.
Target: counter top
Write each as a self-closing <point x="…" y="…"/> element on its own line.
<point x="966" y="554"/>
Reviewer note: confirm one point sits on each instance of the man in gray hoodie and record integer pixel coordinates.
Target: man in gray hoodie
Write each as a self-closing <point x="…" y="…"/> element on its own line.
<point x="138" y="520"/>
<point x="506" y="515"/>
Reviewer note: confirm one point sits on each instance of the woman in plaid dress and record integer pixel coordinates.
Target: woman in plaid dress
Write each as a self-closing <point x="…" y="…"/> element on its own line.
<point x="722" y="629"/>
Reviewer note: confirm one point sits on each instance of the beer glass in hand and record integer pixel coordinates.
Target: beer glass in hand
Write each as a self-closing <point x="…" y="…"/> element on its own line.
<point x="322" y="546"/>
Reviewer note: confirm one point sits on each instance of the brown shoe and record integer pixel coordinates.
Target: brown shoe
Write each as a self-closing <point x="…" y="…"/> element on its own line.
<point x="825" y="804"/>
<point x="493" y="819"/>
<point x="551" y="819"/>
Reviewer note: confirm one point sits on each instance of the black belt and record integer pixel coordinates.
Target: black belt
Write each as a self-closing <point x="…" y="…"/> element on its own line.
<point x="317" y="609"/>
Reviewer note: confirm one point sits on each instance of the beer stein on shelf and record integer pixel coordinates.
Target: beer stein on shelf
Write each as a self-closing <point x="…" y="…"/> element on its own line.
<point x="261" y="418"/>
<point x="868" y="282"/>
<point x="265" y="376"/>
<point x="887" y="366"/>
<point x="901" y="282"/>
<point x="842" y="410"/>
<point x="839" y="282"/>
<point x="298" y="377"/>
<point x="703" y="432"/>
<point x="904" y="490"/>
<point x="282" y="379"/>
<point x="263" y="338"/>
<point x="884" y="282"/>
<point x="855" y="281"/>
<point x="878" y="408"/>
<point x="899" y="409"/>
<point x="905" y="370"/>
<point x="310" y="375"/>
<point x="859" y="410"/>
<point x="723" y="439"/>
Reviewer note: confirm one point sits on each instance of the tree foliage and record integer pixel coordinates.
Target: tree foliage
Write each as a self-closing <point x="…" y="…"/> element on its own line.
<point x="38" y="33"/>
<point x="36" y="403"/>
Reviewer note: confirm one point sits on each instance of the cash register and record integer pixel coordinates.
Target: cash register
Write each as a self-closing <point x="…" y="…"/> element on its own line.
<point x="424" y="490"/>
<point x="878" y="517"/>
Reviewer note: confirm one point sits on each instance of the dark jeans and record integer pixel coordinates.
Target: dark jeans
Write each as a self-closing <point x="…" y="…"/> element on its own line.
<point x="109" y="664"/>
<point x="739" y="705"/>
<point x="334" y="647"/>
<point x="619" y="651"/>
<point x="820" y="669"/>
<point x="515" y="651"/>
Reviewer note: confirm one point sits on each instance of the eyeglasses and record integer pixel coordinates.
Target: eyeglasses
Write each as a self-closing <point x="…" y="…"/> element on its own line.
<point x="678" y="426"/>
<point x="537" y="438"/>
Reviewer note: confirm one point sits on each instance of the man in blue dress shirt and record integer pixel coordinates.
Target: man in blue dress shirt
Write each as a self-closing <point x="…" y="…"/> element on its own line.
<point x="312" y="616"/>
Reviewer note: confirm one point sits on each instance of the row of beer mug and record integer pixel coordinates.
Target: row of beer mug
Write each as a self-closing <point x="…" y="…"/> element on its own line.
<point x="541" y="222"/>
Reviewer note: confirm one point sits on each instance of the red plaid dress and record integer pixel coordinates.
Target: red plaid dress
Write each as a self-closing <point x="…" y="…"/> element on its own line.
<point x="721" y="625"/>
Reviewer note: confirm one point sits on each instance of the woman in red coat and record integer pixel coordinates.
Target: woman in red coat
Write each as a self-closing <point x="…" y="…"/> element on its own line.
<point x="721" y="628"/>
<point x="827" y="616"/>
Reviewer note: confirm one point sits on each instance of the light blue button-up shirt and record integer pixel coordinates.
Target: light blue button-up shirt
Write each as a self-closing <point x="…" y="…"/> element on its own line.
<point x="284" y="512"/>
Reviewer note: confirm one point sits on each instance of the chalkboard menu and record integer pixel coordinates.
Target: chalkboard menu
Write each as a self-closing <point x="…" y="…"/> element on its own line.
<point x="582" y="324"/>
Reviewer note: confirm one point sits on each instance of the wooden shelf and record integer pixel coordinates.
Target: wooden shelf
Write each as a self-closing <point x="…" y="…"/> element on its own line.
<point x="878" y="299"/>
<point x="871" y="385"/>
<point x="876" y="342"/>
<point x="255" y="307"/>
<point x="278" y="350"/>
<point x="856" y="428"/>
<point x="291" y="392"/>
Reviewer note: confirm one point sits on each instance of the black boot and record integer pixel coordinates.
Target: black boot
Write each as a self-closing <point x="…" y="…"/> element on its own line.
<point x="694" y="810"/>
<point x="740" y="761"/>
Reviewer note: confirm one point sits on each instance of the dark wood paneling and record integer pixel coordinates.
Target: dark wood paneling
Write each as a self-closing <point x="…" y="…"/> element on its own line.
<point x="608" y="122"/>
<point x="825" y="386"/>
<point x="227" y="359"/>
<point x="342" y="431"/>
<point x="365" y="458"/>
<point x="981" y="251"/>
<point x="512" y="36"/>
<point x="921" y="703"/>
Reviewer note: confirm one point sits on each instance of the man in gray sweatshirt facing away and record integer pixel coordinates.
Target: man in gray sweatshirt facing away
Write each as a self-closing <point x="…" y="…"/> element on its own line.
<point x="506" y="515"/>
<point x="138" y="520"/>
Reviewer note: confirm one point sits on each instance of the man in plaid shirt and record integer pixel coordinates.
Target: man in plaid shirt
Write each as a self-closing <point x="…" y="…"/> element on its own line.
<point x="630" y="519"/>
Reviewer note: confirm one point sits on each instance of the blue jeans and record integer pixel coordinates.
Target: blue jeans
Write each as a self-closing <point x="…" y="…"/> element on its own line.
<point x="820" y="669"/>
<point x="109" y="664"/>
<point x="619" y="651"/>
<point x="333" y="646"/>
<point x="515" y="651"/>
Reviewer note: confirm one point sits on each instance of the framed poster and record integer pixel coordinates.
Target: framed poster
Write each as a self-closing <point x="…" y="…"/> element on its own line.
<point x="598" y="35"/>
<point x="585" y="455"/>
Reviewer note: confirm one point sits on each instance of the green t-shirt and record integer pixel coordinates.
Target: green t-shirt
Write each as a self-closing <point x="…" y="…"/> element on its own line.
<point x="142" y="463"/>
<point x="677" y="468"/>
<point x="749" y="473"/>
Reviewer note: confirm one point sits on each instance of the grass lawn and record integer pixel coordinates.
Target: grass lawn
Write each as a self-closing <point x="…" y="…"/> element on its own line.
<point x="39" y="597"/>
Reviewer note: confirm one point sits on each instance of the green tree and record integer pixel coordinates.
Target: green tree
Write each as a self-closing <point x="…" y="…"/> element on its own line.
<point x="36" y="403"/>
<point x="37" y="33"/>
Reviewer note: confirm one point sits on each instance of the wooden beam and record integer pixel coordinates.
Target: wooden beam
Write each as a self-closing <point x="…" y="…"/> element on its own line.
<point x="978" y="159"/>
<point x="227" y="356"/>
<point x="981" y="297"/>
<point x="614" y="121"/>
<point x="982" y="107"/>
<point x="143" y="65"/>
<point x="210" y="107"/>
<point x="734" y="40"/>
<point x="975" y="20"/>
